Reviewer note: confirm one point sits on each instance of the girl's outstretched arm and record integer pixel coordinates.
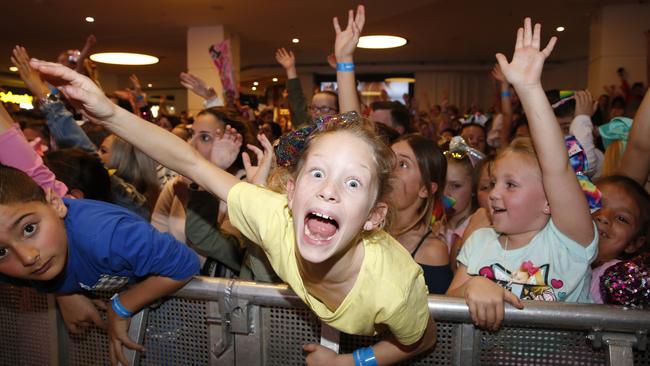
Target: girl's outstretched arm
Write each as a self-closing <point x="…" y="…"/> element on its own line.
<point x="162" y="146"/>
<point x="636" y="159"/>
<point x="344" y="46"/>
<point x="568" y="204"/>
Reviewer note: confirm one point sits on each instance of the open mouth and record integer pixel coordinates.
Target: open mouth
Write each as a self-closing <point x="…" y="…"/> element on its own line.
<point x="320" y="228"/>
<point x="498" y="210"/>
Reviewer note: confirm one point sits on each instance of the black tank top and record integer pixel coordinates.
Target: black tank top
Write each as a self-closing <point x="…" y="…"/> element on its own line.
<point x="437" y="278"/>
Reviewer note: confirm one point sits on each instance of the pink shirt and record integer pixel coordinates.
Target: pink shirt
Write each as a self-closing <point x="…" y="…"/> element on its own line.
<point x="16" y="152"/>
<point x="596" y="273"/>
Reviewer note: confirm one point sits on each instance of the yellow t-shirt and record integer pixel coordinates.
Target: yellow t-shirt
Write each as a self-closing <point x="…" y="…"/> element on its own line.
<point x="389" y="291"/>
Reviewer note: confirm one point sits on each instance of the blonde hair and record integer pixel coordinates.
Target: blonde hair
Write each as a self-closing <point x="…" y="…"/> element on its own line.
<point x="613" y="156"/>
<point x="384" y="158"/>
<point x="523" y="146"/>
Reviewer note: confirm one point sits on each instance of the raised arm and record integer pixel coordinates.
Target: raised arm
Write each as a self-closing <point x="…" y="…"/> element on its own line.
<point x="65" y="130"/>
<point x="568" y="204"/>
<point x="636" y="159"/>
<point x="297" y="100"/>
<point x="506" y="106"/>
<point x="85" y="52"/>
<point x="344" y="46"/>
<point x="161" y="145"/>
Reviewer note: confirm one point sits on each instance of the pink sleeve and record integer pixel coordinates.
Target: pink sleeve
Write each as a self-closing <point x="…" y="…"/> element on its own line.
<point x="16" y="152"/>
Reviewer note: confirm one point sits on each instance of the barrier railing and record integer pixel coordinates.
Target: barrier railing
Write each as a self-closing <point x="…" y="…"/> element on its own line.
<point x="214" y="321"/>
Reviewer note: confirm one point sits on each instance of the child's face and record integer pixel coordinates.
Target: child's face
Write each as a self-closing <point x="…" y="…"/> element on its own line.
<point x="333" y="195"/>
<point x="33" y="241"/>
<point x="106" y="149"/>
<point x="408" y="190"/>
<point x="517" y="200"/>
<point x="459" y="187"/>
<point x="205" y="128"/>
<point x="618" y="222"/>
<point x="475" y="137"/>
<point x="484" y="187"/>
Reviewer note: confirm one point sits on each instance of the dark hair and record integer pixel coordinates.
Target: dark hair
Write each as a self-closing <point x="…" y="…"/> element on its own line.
<point x="638" y="194"/>
<point x="81" y="170"/>
<point x="433" y="169"/>
<point x="566" y="108"/>
<point x="472" y="124"/>
<point x="16" y="186"/>
<point x="399" y="114"/>
<point x="173" y="120"/>
<point x="230" y="116"/>
<point x="387" y="133"/>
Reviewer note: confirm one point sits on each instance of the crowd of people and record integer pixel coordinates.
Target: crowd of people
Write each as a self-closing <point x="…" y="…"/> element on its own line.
<point x="542" y="196"/>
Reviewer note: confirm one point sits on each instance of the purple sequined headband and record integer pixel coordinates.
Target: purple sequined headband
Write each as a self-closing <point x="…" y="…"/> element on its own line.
<point x="291" y="145"/>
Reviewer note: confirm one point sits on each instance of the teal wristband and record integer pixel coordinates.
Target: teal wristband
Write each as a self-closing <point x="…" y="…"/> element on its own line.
<point x="119" y="309"/>
<point x="364" y="357"/>
<point x="345" y="66"/>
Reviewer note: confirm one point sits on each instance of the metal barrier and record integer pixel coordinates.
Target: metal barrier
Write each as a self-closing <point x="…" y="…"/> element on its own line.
<point x="213" y="321"/>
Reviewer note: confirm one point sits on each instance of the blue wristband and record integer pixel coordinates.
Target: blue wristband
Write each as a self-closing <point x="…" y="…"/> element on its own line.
<point x="119" y="309"/>
<point x="345" y="66"/>
<point x="505" y="93"/>
<point x="364" y="357"/>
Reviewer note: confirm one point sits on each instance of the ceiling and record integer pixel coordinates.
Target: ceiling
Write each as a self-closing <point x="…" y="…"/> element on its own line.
<point x="439" y="32"/>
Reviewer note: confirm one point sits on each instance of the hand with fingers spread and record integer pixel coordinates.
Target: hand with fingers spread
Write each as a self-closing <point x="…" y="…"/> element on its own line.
<point x="347" y="39"/>
<point x="32" y="79"/>
<point x="585" y="103"/>
<point x="258" y="174"/>
<point x="79" y="312"/>
<point x="117" y="330"/>
<point x="225" y="148"/>
<point x="288" y="61"/>
<point x="525" y="69"/>
<point x="197" y="86"/>
<point x="82" y="92"/>
<point x="485" y="300"/>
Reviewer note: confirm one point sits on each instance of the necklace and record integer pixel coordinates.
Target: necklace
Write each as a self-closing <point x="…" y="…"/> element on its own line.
<point x="504" y="257"/>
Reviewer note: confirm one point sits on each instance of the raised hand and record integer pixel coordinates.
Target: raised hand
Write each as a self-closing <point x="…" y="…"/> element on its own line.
<point x="32" y="79"/>
<point x="258" y="174"/>
<point x="497" y="74"/>
<point x="197" y="86"/>
<point x="136" y="82"/>
<point x="82" y="92"/>
<point x="347" y="39"/>
<point x="525" y="69"/>
<point x="585" y="103"/>
<point x="285" y="58"/>
<point x="225" y="148"/>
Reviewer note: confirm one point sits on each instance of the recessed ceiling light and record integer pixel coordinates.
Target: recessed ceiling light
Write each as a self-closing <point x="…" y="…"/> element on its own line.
<point x="256" y="83"/>
<point x="560" y="29"/>
<point x="149" y="85"/>
<point x="295" y="40"/>
<point x="400" y="80"/>
<point x="275" y="80"/>
<point x="377" y="42"/>
<point x="13" y="69"/>
<point x="254" y="88"/>
<point x="124" y="58"/>
<point x="90" y="19"/>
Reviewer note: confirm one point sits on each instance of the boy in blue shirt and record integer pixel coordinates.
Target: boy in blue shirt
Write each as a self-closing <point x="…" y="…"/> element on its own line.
<point x="69" y="246"/>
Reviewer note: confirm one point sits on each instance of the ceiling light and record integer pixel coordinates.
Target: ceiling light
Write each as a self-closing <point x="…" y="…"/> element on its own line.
<point x="275" y="80"/>
<point x="90" y="19"/>
<point x="254" y="88"/>
<point x="256" y="83"/>
<point x="377" y="42"/>
<point x="13" y="69"/>
<point x="295" y="40"/>
<point x="124" y="58"/>
<point x="560" y="29"/>
<point x="149" y="85"/>
<point x="400" y="80"/>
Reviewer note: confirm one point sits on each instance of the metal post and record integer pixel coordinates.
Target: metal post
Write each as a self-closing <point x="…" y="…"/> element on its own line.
<point x="619" y="348"/>
<point x="137" y="329"/>
<point x="464" y="344"/>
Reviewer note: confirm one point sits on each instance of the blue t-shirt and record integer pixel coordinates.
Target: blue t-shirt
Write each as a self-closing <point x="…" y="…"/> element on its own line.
<point x="109" y="247"/>
<point x="551" y="267"/>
